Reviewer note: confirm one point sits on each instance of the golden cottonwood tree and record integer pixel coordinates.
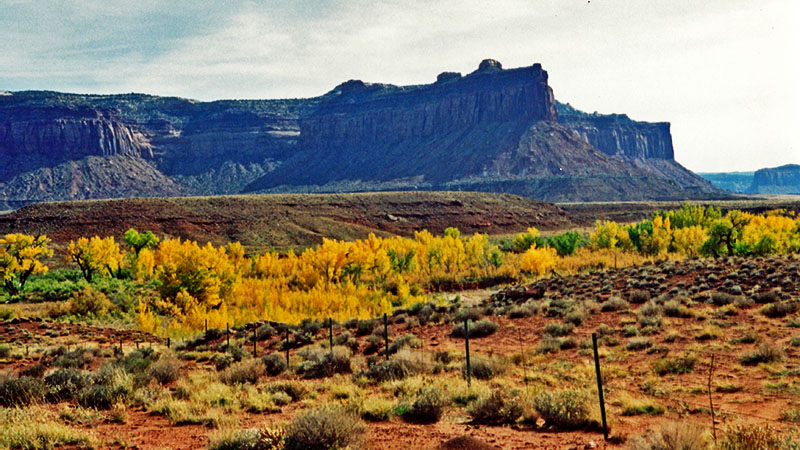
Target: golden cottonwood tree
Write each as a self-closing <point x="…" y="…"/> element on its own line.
<point x="19" y="259"/>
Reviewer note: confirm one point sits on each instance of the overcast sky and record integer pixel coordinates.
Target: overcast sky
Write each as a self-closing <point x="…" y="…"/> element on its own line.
<point x="723" y="72"/>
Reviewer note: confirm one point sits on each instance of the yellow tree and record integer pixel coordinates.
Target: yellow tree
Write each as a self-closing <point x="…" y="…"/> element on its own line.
<point x="688" y="240"/>
<point x="95" y="255"/>
<point x="19" y="259"/>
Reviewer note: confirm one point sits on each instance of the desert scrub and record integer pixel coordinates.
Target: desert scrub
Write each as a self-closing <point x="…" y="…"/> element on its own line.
<point x="37" y="428"/>
<point x="484" y="367"/>
<point x="481" y="328"/>
<point x="256" y="401"/>
<point x="678" y="365"/>
<point x="266" y="438"/>
<point x="165" y="370"/>
<point x="755" y="437"/>
<point x="556" y="329"/>
<point x="497" y="408"/>
<point x="326" y="426"/>
<point x="296" y="390"/>
<point x="614" y="303"/>
<point x="377" y="409"/>
<point x="707" y="333"/>
<point x="106" y="387"/>
<point x="274" y="364"/>
<point x="636" y="344"/>
<point x="791" y="415"/>
<point x="243" y="372"/>
<point x="671" y="436"/>
<point x="324" y="363"/>
<point x="564" y="410"/>
<point x="406" y="340"/>
<point x="764" y="353"/>
<point x="649" y="315"/>
<point x="20" y="391"/>
<point x="779" y="310"/>
<point x="631" y="406"/>
<point x="427" y="407"/>
<point x="400" y="366"/>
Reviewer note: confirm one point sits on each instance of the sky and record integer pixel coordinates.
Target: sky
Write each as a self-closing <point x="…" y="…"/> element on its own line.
<point x="722" y="72"/>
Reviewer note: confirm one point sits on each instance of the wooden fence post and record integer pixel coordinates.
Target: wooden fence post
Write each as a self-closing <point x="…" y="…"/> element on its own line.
<point x="600" y="386"/>
<point x="466" y="345"/>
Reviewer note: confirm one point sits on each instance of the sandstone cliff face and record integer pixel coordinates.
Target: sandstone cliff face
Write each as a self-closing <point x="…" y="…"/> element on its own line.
<point x="491" y="130"/>
<point x="41" y="137"/>
<point x="776" y="180"/>
<point x="618" y="135"/>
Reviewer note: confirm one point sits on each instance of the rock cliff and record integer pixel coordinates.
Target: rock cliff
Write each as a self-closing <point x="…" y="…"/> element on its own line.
<point x="493" y="129"/>
<point x="618" y="135"/>
<point x="776" y="180"/>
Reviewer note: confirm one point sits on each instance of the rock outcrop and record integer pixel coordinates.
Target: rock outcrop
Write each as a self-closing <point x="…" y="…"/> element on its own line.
<point x="493" y="129"/>
<point x="776" y="180"/>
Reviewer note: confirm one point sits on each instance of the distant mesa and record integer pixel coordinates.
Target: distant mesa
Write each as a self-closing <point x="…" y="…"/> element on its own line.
<point x="446" y="76"/>
<point x="494" y="130"/>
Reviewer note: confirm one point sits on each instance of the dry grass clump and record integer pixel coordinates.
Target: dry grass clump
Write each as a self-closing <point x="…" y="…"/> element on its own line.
<point x="671" y="436"/>
<point x="481" y="328"/>
<point x="765" y="353"/>
<point x="497" y="408"/>
<point x="755" y="437"/>
<point x="564" y="410"/>
<point x="679" y="365"/>
<point x="326" y="426"/>
<point x="243" y="372"/>
<point x="426" y="407"/>
<point x="250" y="439"/>
<point x="324" y="363"/>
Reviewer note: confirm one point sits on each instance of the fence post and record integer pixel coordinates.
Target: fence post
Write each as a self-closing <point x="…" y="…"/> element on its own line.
<point x="711" y="401"/>
<point x="386" y="334"/>
<point x="287" y="345"/>
<point x="206" y="329"/>
<point x="600" y="386"/>
<point x="120" y="346"/>
<point x="466" y="345"/>
<point x="228" y="332"/>
<point x="330" y="333"/>
<point x="254" y="342"/>
<point x="169" y="342"/>
<point x="522" y="355"/>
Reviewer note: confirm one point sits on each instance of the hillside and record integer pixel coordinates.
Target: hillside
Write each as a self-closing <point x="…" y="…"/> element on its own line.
<point x="293" y="220"/>
<point x="493" y="130"/>
<point x="776" y="180"/>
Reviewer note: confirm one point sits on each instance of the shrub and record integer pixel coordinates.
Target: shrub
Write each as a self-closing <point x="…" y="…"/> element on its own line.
<point x="365" y="327"/>
<point x="639" y="297"/>
<point x="765" y="353"/>
<point x="558" y="329"/>
<point x="680" y="365"/>
<point x="76" y="359"/>
<point x="274" y="364"/>
<point x="767" y="297"/>
<point x="376" y="409"/>
<point x="243" y="372"/>
<point x="326" y="426"/>
<point x="519" y="311"/>
<point x="63" y="384"/>
<point x="649" y="315"/>
<point x="752" y="437"/>
<point x="549" y="344"/>
<point x="295" y="390"/>
<point x="791" y="415"/>
<point x="89" y="302"/>
<point x="324" y="363"/>
<point x="20" y="391"/>
<point x="671" y="436"/>
<point x="406" y="340"/>
<point x="165" y="370"/>
<point x="496" y="408"/>
<point x="614" y="303"/>
<point x="639" y="344"/>
<point x="108" y="386"/>
<point x="484" y="368"/>
<point x="780" y="309"/>
<point x="674" y="308"/>
<point x="564" y="410"/>
<point x="264" y="332"/>
<point x="427" y="406"/>
<point x="481" y="328"/>
<point x="249" y="439"/>
<point x="396" y="368"/>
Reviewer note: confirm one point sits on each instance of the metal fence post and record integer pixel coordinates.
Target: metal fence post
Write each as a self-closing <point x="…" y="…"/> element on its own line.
<point x="600" y="386"/>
